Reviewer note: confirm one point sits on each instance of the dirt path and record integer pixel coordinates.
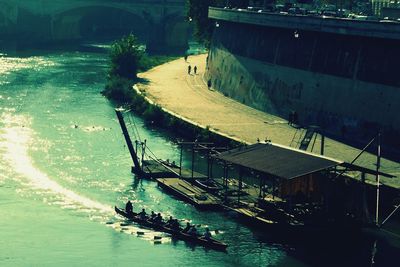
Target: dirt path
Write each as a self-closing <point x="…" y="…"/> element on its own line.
<point x="188" y="96"/>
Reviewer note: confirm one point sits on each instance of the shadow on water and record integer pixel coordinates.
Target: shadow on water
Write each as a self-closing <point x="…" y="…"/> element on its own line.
<point x="316" y="248"/>
<point x="333" y="251"/>
<point x="330" y="247"/>
<point x="13" y="49"/>
<point x="333" y="248"/>
<point x="137" y="183"/>
<point x="192" y="246"/>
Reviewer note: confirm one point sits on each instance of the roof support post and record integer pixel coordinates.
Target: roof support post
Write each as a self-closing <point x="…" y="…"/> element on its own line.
<point x="273" y="188"/>
<point x="322" y="144"/>
<point x="364" y="206"/>
<point x="226" y="181"/>
<point x="208" y="164"/>
<point x="180" y="161"/>
<point x="192" y="159"/>
<point x="261" y="187"/>
<point x="239" y="185"/>
<point x="378" y="164"/>
<point x="211" y="168"/>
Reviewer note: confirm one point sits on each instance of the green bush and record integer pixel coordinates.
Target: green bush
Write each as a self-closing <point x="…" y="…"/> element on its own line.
<point x="119" y="89"/>
<point x="154" y="114"/>
<point x="125" y="56"/>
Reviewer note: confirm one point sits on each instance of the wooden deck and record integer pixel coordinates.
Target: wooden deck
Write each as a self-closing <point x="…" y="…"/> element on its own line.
<point x="157" y="169"/>
<point x="167" y="176"/>
<point x="189" y="192"/>
<point x="187" y="174"/>
<point x="253" y="215"/>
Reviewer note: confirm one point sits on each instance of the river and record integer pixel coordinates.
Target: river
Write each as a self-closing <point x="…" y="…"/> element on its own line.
<point x="64" y="165"/>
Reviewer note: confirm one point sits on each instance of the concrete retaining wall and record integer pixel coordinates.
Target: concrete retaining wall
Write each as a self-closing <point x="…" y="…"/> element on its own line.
<point x="338" y="104"/>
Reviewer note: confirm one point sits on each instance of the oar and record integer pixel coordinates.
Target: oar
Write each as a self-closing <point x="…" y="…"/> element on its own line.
<point x="184" y="220"/>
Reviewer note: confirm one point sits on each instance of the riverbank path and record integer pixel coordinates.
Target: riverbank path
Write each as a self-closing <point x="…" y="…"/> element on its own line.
<point x="187" y="96"/>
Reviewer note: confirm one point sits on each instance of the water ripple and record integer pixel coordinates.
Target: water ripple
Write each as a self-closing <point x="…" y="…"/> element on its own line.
<point x="16" y="138"/>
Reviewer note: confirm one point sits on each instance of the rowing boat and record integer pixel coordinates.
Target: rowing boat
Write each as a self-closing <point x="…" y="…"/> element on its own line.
<point x="196" y="239"/>
<point x="208" y="185"/>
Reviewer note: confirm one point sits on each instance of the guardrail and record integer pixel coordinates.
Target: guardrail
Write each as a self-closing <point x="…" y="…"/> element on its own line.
<point x="345" y="26"/>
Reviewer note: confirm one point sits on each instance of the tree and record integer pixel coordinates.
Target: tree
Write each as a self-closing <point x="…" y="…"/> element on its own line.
<point x="126" y="55"/>
<point x="198" y="14"/>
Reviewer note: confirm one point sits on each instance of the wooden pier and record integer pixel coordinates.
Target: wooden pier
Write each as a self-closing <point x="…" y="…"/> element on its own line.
<point x="250" y="214"/>
<point x="289" y="193"/>
<point x="156" y="169"/>
<point x="161" y="169"/>
<point x="174" y="178"/>
<point x="190" y="193"/>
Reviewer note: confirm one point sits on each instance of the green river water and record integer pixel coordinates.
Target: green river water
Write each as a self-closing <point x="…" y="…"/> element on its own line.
<point x="59" y="182"/>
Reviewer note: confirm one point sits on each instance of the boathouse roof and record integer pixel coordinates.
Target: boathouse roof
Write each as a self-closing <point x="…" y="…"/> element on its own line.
<point x="277" y="160"/>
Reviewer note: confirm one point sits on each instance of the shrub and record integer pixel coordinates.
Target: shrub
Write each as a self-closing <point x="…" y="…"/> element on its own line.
<point x="125" y="56"/>
<point x="119" y="89"/>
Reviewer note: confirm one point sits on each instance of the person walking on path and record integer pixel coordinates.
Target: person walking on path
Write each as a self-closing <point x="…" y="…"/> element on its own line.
<point x="209" y="84"/>
<point x="195" y="70"/>
<point x="185" y="57"/>
<point x="189" y="69"/>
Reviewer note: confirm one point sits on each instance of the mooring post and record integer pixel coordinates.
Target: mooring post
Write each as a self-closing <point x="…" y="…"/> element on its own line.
<point x="136" y="145"/>
<point x="143" y="151"/>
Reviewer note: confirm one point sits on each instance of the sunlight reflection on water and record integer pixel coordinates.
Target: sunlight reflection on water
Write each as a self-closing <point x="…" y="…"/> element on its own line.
<point x="11" y="64"/>
<point x="16" y="139"/>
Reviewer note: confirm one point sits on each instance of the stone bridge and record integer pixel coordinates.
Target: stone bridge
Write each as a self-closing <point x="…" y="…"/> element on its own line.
<point x="161" y="24"/>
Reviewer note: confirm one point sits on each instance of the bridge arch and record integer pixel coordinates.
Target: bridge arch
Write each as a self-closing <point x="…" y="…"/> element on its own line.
<point x="160" y="25"/>
<point x="177" y="31"/>
<point x="99" y="22"/>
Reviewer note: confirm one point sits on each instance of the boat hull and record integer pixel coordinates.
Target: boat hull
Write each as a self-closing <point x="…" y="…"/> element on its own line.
<point x="208" y="243"/>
